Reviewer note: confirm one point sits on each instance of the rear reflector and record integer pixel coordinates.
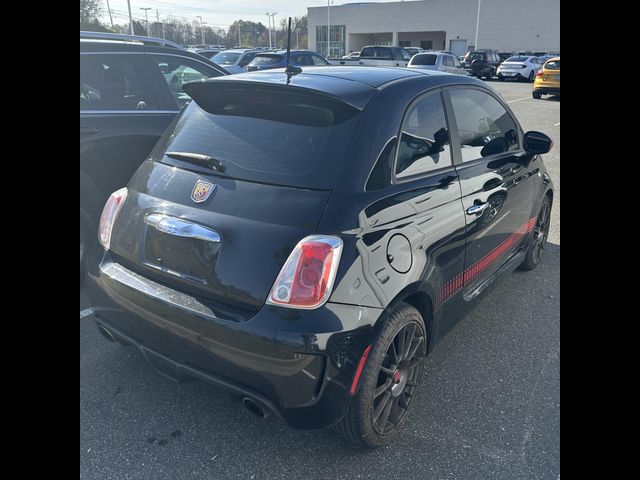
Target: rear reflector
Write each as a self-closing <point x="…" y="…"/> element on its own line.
<point x="356" y="377"/>
<point x="306" y="279"/>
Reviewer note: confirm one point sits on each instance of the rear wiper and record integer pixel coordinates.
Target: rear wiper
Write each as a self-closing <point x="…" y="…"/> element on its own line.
<point x="199" y="158"/>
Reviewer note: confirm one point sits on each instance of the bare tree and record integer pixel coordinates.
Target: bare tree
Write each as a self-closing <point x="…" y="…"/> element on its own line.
<point x="89" y="10"/>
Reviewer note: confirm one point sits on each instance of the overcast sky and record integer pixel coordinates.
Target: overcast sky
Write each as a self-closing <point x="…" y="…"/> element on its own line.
<point x="215" y="13"/>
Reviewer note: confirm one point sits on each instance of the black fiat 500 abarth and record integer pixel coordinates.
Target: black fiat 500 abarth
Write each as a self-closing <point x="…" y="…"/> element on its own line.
<point x="305" y="240"/>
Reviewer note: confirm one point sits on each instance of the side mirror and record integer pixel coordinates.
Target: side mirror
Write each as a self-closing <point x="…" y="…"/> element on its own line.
<point x="537" y="143"/>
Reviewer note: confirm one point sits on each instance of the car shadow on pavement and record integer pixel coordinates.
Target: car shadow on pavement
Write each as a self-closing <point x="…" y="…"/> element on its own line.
<point x="488" y="407"/>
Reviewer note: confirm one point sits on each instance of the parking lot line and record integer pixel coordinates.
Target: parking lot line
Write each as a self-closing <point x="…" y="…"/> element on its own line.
<point x="86" y="312"/>
<point x="519" y="99"/>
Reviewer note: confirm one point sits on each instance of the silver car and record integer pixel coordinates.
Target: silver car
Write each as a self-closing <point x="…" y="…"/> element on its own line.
<point x="441" y="61"/>
<point x="235" y="60"/>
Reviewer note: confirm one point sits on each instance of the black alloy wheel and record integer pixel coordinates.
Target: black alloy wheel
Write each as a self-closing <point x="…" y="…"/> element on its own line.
<point x="390" y="379"/>
<point x="397" y="379"/>
<point x="539" y="239"/>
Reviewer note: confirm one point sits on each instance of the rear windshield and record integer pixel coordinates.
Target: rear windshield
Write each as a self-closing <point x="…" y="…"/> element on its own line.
<point x="552" y="65"/>
<point x="282" y="138"/>
<point x="471" y="56"/>
<point x="227" y="58"/>
<point x="516" y="59"/>
<point x="424" y="59"/>
<point x="266" y="59"/>
<point x="377" y="52"/>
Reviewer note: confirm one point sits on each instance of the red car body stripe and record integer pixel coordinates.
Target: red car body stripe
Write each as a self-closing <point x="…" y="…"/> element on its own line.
<point x="356" y="377"/>
<point x="452" y="287"/>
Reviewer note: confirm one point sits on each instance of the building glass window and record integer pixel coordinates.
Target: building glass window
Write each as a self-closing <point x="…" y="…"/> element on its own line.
<point x="426" y="44"/>
<point x="338" y="44"/>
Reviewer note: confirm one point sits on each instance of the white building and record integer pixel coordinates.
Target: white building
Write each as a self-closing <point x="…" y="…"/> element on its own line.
<point x="503" y="25"/>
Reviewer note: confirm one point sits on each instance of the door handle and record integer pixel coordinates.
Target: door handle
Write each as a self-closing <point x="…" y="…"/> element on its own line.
<point x="181" y="228"/>
<point x="474" y="209"/>
<point x="84" y="130"/>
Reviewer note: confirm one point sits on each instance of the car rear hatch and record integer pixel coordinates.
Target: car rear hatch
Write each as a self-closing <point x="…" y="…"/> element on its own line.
<point x="242" y="175"/>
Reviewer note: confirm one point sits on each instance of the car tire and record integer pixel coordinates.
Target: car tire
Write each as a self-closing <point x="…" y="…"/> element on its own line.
<point x="500" y="78"/>
<point x="533" y="257"/>
<point x="393" y="373"/>
<point x="87" y="239"/>
<point x="531" y="77"/>
<point x="536" y="95"/>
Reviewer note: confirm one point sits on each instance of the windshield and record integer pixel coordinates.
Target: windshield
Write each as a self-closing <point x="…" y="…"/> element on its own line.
<point x="227" y="58"/>
<point x="266" y="59"/>
<point x="517" y="59"/>
<point x="424" y="59"/>
<point x="267" y="136"/>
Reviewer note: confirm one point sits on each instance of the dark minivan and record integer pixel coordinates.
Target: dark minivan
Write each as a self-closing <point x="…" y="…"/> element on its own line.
<point x="305" y="240"/>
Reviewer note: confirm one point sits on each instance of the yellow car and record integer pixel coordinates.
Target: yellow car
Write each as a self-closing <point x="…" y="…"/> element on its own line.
<point x="547" y="80"/>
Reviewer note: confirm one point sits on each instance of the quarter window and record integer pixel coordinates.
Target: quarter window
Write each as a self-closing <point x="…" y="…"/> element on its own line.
<point x="424" y="139"/>
<point x="485" y="127"/>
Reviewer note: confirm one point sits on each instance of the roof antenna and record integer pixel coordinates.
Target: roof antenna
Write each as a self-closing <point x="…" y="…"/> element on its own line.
<point x="290" y="70"/>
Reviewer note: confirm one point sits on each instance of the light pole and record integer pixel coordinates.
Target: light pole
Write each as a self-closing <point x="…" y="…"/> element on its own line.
<point x="275" y="32"/>
<point x="110" y="17"/>
<point x="239" y="37"/>
<point x="269" y="29"/>
<point x="201" y="28"/>
<point x="477" y="25"/>
<point x="146" y="18"/>
<point x="130" y="18"/>
<point x="328" y="29"/>
<point x="158" y="20"/>
<point x="270" y="17"/>
<point x="297" y="39"/>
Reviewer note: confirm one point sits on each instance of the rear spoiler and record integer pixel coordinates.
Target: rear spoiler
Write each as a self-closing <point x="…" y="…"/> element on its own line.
<point x="331" y="89"/>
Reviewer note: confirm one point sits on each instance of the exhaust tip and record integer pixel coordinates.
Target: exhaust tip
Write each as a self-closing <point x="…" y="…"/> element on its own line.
<point x="255" y="408"/>
<point x="106" y="333"/>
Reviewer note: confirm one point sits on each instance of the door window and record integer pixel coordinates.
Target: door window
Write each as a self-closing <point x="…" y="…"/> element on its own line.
<point x="424" y="140"/>
<point x="485" y="127"/>
<point x="114" y="82"/>
<point x="318" y="60"/>
<point x="177" y="71"/>
<point x="447" y="60"/>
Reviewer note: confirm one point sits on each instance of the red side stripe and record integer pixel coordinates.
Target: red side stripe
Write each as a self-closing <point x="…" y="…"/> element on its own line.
<point x="452" y="286"/>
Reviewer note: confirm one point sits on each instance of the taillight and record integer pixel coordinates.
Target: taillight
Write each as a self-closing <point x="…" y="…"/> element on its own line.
<point x="540" y="73"/>
<point x="306" y="279"/>
<point x="109" y="214"/>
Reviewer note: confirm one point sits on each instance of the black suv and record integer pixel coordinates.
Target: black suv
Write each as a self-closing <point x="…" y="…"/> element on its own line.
<point x="130" y="91"/>
<point x="482" y="63"/>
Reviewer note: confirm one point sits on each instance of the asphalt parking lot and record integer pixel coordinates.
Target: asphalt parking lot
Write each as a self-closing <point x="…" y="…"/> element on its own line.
<point x="489" y="406"/>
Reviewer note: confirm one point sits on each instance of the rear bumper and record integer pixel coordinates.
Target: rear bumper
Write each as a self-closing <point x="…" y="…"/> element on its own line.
<point x="547" y="90"/>
<point x="516" y="75"/>
<point x="299" y="364"/>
